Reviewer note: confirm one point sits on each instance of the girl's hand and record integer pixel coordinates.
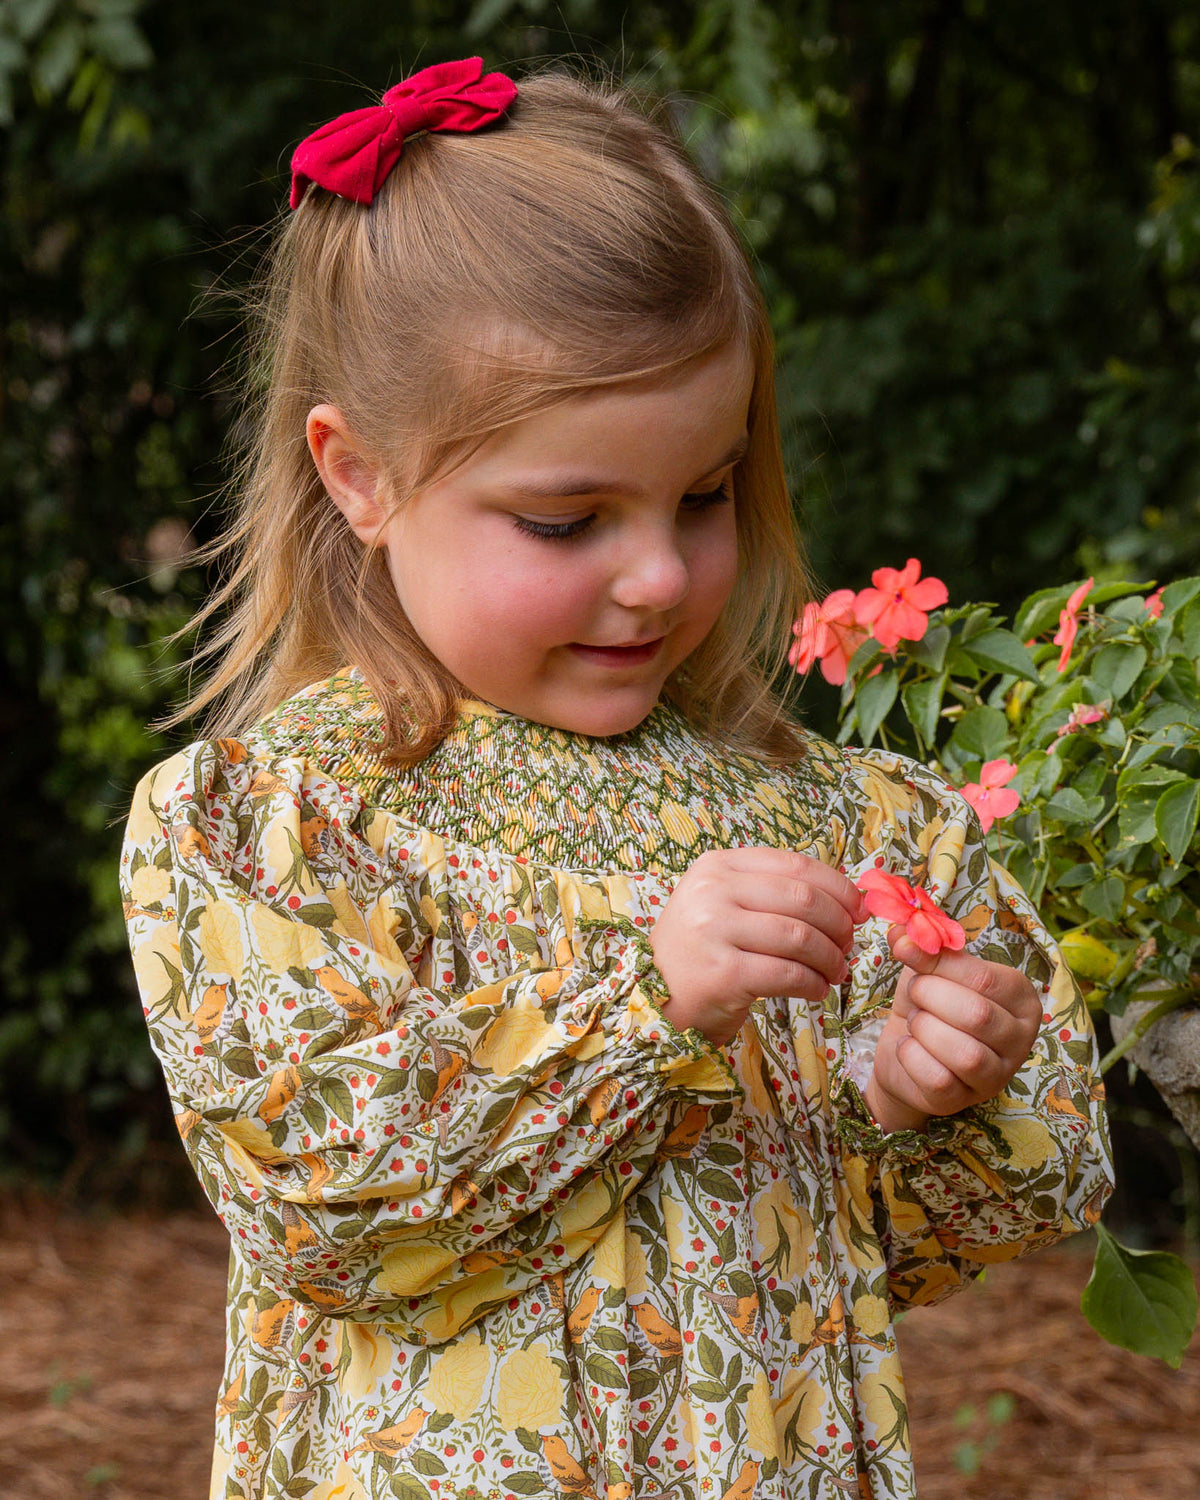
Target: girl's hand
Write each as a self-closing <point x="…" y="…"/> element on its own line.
<point x="960" y="1028"/>
<point x="748" y="922"/>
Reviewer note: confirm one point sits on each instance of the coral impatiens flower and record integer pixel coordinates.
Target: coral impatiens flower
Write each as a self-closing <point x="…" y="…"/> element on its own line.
<point x="1154" y="603"/>
<point x="1081" y="715"/>
<point x="987" y="795"/>
<point x="1068" y="622"/>
<point x="893" y="899"/>
<point x="897" y="607"/>
<point x="828" y="633"/>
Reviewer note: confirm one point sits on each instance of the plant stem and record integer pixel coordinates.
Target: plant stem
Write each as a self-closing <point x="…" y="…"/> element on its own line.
<point x="1171" y="1000"/>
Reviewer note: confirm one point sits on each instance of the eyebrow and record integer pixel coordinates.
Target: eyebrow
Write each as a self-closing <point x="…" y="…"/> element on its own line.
<point x="562" y="486"/>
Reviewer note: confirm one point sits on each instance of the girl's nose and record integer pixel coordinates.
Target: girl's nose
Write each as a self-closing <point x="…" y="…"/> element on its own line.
<point x="654" y="575"/>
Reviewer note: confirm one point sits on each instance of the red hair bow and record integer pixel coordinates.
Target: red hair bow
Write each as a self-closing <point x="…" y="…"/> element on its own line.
<point x="352" y="155"/>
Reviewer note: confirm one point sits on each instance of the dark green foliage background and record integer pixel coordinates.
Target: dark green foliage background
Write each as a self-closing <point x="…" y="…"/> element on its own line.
<point x="977" y="224"/>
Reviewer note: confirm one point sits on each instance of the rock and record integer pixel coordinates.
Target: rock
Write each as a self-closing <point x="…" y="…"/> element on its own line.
<point x="1169" y="1055"/>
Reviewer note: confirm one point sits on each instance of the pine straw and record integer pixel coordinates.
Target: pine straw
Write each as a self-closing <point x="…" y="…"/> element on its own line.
<point x="110" y="1355"/>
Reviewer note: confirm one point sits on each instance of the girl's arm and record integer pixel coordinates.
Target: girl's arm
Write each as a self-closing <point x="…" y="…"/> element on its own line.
<point x="1018" y="1170"/>
<point x="412" y="1078"/>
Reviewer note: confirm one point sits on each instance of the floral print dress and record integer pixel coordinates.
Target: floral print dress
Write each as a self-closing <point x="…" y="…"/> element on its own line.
<point x="498" y="1228"/>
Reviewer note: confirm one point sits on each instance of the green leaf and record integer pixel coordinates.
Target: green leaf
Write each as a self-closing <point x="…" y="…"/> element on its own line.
<point x="336" y="1097"/>
<point x="1175" y="815"/>
<point x="1117" y="667"/>
<point x="981" y="734"/>
<point x="709" y="1353"/>
<point x="1142" y="1300"/>
<point x="1001" y="651"/>
<point x="922" y="704"/>
<point x="525" y="1484"/>
<point x="1103" y="897"/>
<point x="930" y="650"/>
<point x="1179" y="593"/>
<point x="873" y="699"/>
<point x="1069" y="806"/>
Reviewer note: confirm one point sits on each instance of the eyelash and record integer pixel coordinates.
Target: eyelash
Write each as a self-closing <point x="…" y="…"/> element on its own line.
<point x="571" y="529"/>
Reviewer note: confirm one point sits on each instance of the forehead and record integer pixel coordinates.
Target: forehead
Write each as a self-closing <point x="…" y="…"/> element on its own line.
<point x="688" y="419"/>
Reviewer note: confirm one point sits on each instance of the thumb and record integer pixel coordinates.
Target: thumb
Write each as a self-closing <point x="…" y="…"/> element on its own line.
<point x="908" y="953"/>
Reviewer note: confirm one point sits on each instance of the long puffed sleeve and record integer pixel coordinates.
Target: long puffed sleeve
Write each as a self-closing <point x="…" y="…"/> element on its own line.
<point x="1003" y="1177"/>
<point x="412" y="1078"/>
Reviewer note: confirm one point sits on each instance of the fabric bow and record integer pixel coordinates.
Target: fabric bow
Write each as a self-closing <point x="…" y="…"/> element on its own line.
<point x="352" y="155"/>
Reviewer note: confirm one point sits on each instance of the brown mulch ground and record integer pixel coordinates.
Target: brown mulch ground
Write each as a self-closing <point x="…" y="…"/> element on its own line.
<point x="110" y="1351"/>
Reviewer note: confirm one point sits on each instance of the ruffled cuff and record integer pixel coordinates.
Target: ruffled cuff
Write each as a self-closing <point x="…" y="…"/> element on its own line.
<point x="861" y="1136"/>
<point x="684" y="1059"/>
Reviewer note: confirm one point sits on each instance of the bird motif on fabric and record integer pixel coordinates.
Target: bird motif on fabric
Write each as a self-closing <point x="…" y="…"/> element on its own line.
<point x="743" y="1486"/>
<point x="189" y="841"/>
<point x="319" y="1172"/>
<point x="394" y="1442"/>
<point x="282" y="1088"/>
<point x="231" y="1396"/>
<point x="833" y="1326"/>
<point x="742" y="1312"/>
<point x="265" y="784"/>
<point x="664" y="1337"/>
<point x="683" y="1139"/>
<point x="273" y="1326"/>
<point x="298" y="1234"/>
<point x="569" y="1477"/>
<point x="348" y="997"/>
<point x="448" y="1064"/>
<point x="463" y="1191"/>
<point x="1059" y="1102"/>
<point x="582" y="1314"/>
<point x="327" y="1298"/>
<point x="599" y="1099"/>
<point x="209" y="1014"/>
<point x="311" y="835"/>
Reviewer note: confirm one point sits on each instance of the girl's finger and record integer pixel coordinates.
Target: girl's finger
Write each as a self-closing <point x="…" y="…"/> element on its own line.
<point x="941" y="1091"/>
<point x="1008" y="987"/>
<point x="967" y="1011"/>
<point x="806" y="905"/>
<point x="780" y="978"/>
<point x="971" y="1062"/>
<point x="797" y="870"/>
<point x="775" y="936"/>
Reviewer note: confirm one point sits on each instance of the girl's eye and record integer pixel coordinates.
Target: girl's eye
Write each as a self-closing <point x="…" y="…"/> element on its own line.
<point x="696" y="500"/>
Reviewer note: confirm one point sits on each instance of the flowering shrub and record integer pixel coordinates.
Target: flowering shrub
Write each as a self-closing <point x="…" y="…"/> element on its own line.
<point x="1074" y="732"/>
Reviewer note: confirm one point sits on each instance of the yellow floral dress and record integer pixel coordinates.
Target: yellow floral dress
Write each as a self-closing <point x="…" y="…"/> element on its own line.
<point x="498" y="1228"/>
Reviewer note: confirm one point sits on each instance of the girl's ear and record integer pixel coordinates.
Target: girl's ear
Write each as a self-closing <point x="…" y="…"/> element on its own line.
<point x="349" y="479"/>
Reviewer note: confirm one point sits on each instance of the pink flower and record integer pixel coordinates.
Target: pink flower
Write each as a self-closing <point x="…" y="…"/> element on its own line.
<point x="893" y="899"/>
<point x="1068" y="622"/>
<point x="986" y="795"/>
<point x="897" y="606"/>
<point x="1154" y="603"/>
<point x="828" y="632"/>
<point x="1081" y="714"/>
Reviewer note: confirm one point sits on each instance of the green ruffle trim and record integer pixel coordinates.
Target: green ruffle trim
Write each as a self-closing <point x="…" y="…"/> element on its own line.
<point x="860" y="1135"/>
<point x="657" y="993"/>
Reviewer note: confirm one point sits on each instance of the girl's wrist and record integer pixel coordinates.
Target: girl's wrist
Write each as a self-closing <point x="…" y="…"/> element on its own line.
<point x="892" y="1114"/>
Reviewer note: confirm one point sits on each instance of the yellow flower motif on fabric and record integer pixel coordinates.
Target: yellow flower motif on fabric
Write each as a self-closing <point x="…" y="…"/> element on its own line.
<point x="285" y="944"/>
<point x="529" y="1390"/>
<point x="1032" y="1144"/>
<point x="349" y="919"/>
<point x="144" y="823"/>
<point x="381" y="924"/>
<point x="150" y="886"/>
<point x="637" y="1271"/>
<point x="872" y="1315"/>
<point x="345" y="1485"/>
<point x="517" y="1034"/>
<point x="781" y="1224"/>
<point x="370" y="1357"/>
<point x="760" y="1418"/>
<point x="150" y="959"/>
<point x="673" y="1223"/>
<point x="873" y="1391"/>
<point x="220" y="936"/>
<point x="609" y="1259"/>
<point x="457" y="1378"/>
<point x="802" y="1324"/>
<point x="801" y="1400"/>
<point x="410" y="1270"/>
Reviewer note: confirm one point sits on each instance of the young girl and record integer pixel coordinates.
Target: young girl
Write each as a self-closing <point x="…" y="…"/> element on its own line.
<point x="575" y="1133"/>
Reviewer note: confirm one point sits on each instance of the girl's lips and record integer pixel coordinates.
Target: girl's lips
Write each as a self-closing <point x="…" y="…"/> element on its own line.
<point x="619" y="656"/>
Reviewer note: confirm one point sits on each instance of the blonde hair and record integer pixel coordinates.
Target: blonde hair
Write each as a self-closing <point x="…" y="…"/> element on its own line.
<point x="571" y="247"/>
